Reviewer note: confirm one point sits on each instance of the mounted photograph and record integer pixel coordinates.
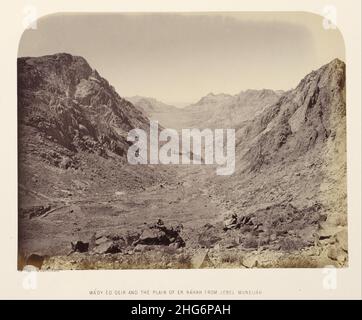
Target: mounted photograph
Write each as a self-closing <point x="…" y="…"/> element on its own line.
<point x="181" y="140"/>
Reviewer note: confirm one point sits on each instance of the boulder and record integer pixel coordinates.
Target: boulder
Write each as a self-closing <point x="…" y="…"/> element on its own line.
<point x="101" y="240"/>
<point x="80" y="246"/>
<point x="250" y="261"/>
<point x="152" y="237"/>
<point x="231" y="222"/>
<point x="159" y="234"/>
<point x="342" y="239"/>
<point x="337" y="254"/>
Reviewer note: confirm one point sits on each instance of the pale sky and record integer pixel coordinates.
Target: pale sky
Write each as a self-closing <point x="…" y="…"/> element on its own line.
<point x="178" y="58"/>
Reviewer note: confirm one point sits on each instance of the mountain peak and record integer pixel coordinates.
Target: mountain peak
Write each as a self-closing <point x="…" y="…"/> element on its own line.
<point x="337" y="61"/>
<point x="72" y="106"/>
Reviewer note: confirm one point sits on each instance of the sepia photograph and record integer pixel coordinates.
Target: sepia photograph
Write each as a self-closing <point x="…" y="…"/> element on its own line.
<point x="182" y="141"/>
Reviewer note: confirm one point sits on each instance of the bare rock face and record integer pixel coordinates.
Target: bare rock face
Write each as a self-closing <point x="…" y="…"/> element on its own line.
<point x="73" y="130"/>
<point x="303" y="119"/>
<point x="291" y="166"/>
<point x="71" y="104"/>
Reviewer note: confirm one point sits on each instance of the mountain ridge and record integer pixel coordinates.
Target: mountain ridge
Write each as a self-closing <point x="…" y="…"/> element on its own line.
<point x="291" y="169"/>
<point x="72" y="121"/>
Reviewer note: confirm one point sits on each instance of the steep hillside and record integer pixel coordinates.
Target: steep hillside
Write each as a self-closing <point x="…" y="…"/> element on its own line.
<point x="72" y="130"/>
<point x="291" y="173"/>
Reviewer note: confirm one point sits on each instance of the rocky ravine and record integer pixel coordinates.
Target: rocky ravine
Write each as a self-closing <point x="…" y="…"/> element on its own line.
<point x="81" y="206"/>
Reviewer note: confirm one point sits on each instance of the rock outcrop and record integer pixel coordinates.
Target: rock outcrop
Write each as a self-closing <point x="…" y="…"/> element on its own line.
<point x="290" y="181"/>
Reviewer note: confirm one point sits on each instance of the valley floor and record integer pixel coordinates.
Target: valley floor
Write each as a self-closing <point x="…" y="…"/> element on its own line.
<point x="187" y="198"/>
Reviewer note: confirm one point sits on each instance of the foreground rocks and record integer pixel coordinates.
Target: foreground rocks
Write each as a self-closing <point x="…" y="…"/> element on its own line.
<point x="278" y="227"/>
<point x="155" y="247"/>
<point x="34" y="211"/>
<point x="157" y="234"/>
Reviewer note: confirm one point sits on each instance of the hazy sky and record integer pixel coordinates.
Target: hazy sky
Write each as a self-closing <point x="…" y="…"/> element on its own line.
<point x="178" y="58"/>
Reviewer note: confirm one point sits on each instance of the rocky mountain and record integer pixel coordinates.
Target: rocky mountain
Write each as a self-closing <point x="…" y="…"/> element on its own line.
<point x="211" y="111"/>
<point x="150" y="106"/>
<point x="210" y="101"/>
<point x="72" y="123"/>
<point x="291" y="175"/>
<point x="302" y="120"/>
<point x="232" y="111"/>
<point x="72" y="105"/>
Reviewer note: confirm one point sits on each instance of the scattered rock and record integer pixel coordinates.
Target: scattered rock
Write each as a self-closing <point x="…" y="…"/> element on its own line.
<point x="109" y="247"/>
<point x="342" y="257"/>
<point x="159" y="234"/>
<point x="250" y="261"/>
<point x="175" y="245"/>
<point x="140" y="248"/>
<point x="80" y="246"/>
<point x="332" y="253"/>
<point x="152" y="236"/>
<point x="208" y="236"/>
<point x="202" y="260"/>
<point x="35" y="211"/>
<point x="337" y="254"/>
<point x="250" y="242"/>
<point x="280" y="224"/>
<point x="101" y="240"/>
<point x="65" y="163"/>
<point x="326" y="233"/>
<point x="231" y="222"/>
<point x="132" y="237"/>
<point x="342" y="239"/>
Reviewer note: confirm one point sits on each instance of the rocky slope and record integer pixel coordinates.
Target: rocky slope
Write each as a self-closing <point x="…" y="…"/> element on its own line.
<point x="72" y="105"/>
<point x="289" y="190"/>
<point x="72" y="132"/>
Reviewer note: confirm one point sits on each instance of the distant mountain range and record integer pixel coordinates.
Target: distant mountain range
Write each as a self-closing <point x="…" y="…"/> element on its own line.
<point x="150" y="106"/>
<point x="212" y="111"/>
